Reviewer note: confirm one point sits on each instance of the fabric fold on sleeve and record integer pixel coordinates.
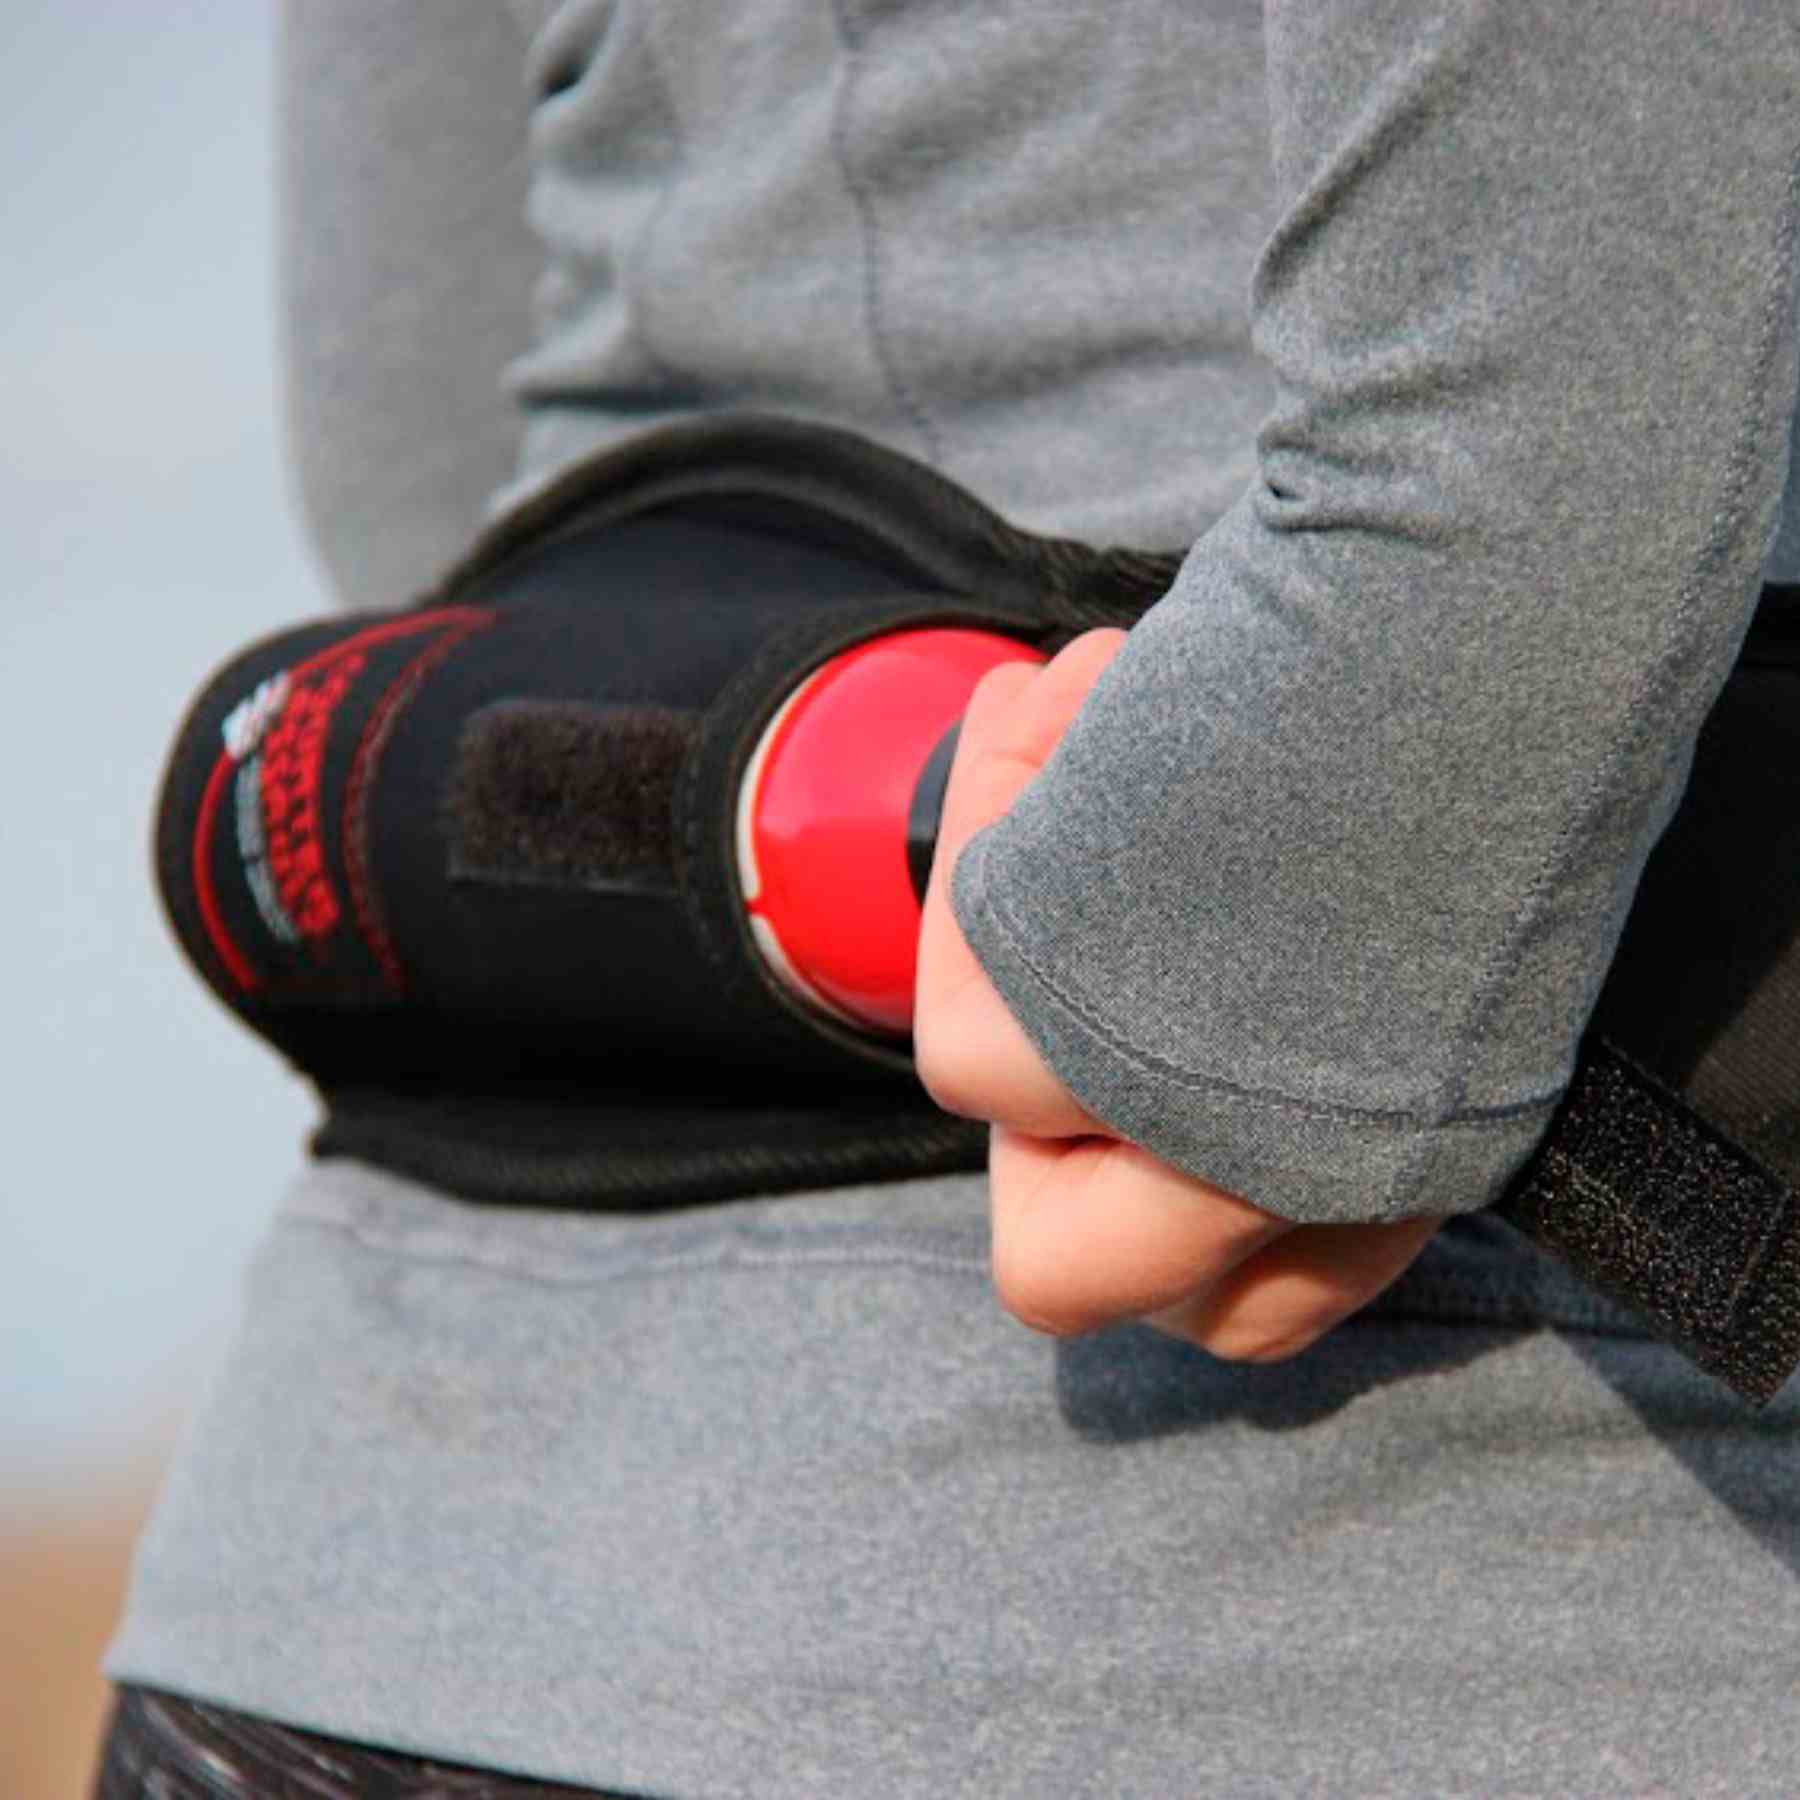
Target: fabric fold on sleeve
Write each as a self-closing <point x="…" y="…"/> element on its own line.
<point x="1314" y="897"/>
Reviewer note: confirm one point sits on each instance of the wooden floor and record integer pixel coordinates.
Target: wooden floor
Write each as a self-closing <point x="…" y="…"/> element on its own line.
<point x="63" y="1559"/>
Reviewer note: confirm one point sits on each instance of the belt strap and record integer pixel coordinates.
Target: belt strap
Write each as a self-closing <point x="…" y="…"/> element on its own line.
<point x="1668" y="1178"/>
<point x="1653" y="1206"/>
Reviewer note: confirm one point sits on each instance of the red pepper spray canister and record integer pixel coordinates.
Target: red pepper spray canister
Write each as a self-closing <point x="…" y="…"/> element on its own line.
<point x="838" y="816"/>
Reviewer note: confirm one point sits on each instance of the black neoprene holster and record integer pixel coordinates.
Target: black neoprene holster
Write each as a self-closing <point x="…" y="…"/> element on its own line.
<point x="526" y="974"/>
<point x="470" y="867"/>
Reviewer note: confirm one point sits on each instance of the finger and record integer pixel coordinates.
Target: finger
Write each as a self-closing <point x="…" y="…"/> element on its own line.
<point x="1015" y="718"/>
<point x="984" y="779"/>
<point x="972" y="1054"/>
<point x="1031" y="722"/>
<point x="1095" y="1230"/>
<point x="963" y="1035"/>
<point x="1287" y="1296"/>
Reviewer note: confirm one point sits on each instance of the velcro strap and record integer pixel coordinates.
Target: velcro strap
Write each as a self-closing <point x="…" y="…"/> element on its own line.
<point x="1651" y="1205"/>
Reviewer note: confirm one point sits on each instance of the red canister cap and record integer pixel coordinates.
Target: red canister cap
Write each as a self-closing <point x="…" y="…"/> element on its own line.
<point x="822" y="816"/>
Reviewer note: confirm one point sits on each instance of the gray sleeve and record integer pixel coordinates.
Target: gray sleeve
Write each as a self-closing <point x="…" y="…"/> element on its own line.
<point x="1315" y="896"/>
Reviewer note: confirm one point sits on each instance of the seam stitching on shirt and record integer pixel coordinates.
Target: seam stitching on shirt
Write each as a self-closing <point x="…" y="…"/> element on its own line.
<point x="1444" y="1299"/>
<point x="1480" y="1119"/>
<point x="1726" y="521"/>
<point x="863" y="200"/>
<point x="717" y="1259"/>
<point x="644" y="238"/>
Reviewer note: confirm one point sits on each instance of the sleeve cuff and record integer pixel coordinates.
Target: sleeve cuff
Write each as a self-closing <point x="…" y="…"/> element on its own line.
<point x="1310" y="1163"/>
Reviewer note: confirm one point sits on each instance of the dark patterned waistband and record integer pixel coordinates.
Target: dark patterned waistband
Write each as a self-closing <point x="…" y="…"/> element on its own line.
<point x="160" y="1747"/>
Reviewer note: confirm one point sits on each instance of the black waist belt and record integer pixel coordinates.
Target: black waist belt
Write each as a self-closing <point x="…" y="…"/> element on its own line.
<point x="470" y="867"/>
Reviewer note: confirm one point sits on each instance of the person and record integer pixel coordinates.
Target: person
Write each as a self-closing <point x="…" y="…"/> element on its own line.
<point x="1264" y="938"/>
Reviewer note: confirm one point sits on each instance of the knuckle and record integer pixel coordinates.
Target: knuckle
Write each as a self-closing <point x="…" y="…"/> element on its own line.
<point x="1035" y="1294"/>
<point x="996" y="689"/>
<point x="1261" y="1344"/>
<point x="1097" y="639"/>
<point x="1003" y="678"/>
<point x="945" y="1072"/>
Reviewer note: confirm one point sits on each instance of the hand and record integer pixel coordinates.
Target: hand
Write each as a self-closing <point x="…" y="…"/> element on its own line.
<point x="1088" y="1228"/>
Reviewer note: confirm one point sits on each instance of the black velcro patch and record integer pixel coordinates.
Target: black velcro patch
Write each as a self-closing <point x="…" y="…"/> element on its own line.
<point x="557" y="792"/>
<point x="1651" y="1204"/>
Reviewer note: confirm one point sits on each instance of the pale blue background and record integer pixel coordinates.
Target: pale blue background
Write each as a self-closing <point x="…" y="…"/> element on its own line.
<point x="146" y="530"/>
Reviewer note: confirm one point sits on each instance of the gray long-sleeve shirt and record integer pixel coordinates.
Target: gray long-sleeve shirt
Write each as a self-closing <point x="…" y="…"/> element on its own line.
<point x="1457" y="341"/>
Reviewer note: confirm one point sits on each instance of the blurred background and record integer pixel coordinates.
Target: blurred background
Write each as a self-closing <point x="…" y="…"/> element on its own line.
<point x="147" y="530"/>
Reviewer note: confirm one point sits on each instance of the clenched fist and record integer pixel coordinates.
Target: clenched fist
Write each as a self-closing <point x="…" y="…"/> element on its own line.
<point x="1087" y="1227"/>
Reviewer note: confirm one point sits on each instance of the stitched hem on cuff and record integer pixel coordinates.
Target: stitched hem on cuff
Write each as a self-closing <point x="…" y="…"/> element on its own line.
<point x="1308" y="1162"/>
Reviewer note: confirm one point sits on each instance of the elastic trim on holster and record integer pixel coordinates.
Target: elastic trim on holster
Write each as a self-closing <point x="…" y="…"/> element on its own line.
<point x="884" y="504"/>
<point x="629" y="1152"/>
